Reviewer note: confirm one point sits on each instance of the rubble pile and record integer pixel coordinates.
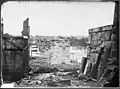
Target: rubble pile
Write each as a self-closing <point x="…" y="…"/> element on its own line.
<point x="45" y="80"/>
<point x="56" y="79"/>
<point x="41" y="66"/>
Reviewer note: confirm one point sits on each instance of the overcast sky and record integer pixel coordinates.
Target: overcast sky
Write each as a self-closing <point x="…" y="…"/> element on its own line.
<point x="56" y="18"/>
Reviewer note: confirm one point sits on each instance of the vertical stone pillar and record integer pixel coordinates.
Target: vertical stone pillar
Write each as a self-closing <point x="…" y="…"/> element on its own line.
<point x="26" y="32"/>
<point x="26" y="28"/>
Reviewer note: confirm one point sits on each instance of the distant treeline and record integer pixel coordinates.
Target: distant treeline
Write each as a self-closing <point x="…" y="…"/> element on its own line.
<point x="74" y="41"/>
<point x="79" y="42"/>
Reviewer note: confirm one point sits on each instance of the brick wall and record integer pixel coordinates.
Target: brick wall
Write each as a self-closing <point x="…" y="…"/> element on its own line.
<point x="102" y="37"/>
<point x="98" y="37"/>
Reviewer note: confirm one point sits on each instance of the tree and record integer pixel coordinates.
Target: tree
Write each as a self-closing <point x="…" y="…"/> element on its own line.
<point x="83" y="41"/>
<point x="79" y="42"/>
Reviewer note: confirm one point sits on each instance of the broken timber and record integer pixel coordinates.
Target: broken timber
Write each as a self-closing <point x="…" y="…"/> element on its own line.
<point x="95" y="67"/>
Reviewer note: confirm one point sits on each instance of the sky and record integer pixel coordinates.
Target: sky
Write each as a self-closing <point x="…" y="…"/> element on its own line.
<point x="56" y="18"/>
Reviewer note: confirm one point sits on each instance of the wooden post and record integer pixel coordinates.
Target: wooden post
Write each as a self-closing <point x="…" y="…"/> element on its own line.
<point x="83" y="64"/>
<point x="104" y="61"/>
<point x="95" y="67"/>
<point x="88" y="69"/>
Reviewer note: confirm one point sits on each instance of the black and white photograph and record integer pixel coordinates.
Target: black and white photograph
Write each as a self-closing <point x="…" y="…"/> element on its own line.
<point x="59" y="44"/>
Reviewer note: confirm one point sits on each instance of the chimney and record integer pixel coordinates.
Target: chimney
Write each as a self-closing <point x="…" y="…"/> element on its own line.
<point x="26" y="28"/>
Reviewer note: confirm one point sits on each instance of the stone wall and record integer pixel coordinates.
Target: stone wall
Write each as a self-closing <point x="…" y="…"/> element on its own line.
<point x="102" y="37"/>
<point x="98" y="37"/>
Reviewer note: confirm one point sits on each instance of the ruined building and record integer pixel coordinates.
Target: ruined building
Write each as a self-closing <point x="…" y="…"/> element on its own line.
<point x="103" y="62"/>
<point x="15" y="55"/>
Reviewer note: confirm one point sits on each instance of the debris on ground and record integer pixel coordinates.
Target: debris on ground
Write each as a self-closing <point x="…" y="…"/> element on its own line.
<point x="56" y="79"/>
<point x="48" y="79"/>
<point x="83" y="77"/>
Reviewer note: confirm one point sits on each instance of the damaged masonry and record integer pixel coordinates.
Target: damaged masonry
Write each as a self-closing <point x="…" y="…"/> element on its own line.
<point x="61" y="61"/>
